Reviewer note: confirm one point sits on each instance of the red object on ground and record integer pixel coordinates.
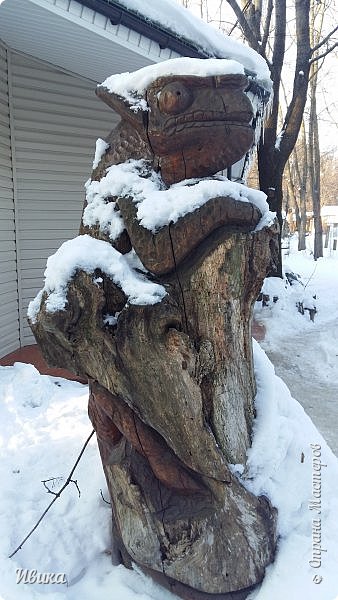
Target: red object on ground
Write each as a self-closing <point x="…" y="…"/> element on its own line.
<point x="258" y="331"/>
<point x="32" y="355"/>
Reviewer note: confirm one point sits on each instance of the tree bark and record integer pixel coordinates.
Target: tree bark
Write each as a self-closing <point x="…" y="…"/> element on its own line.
<point x="173" y="408"/>
<point x="298" y="178"/>
<point x="303" y="172"/>
<point x="314" y="149"/>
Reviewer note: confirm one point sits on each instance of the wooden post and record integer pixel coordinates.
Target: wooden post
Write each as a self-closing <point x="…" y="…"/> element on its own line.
<point x="172" y="384"/>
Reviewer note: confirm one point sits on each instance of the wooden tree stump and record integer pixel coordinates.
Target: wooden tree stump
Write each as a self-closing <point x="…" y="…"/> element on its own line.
<point x="172" y="384"/>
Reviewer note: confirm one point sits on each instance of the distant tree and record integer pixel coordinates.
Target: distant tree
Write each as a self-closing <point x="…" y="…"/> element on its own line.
<point x="296" y="184"/>
<point x="316" y="26"/>
<point x="264" y="26"/>
<point x="329" y="175"/>
<point x="303" y="176"/>
<point x="314" y="166"/>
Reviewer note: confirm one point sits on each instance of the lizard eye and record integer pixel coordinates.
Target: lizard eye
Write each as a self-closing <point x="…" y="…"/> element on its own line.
<point x="174" y="98"/>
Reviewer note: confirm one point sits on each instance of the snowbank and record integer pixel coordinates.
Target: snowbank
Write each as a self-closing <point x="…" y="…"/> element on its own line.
<point x="318" y="287"/>
<point x="291" y="463"/>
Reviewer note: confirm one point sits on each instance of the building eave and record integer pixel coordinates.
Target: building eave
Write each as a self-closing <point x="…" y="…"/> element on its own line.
<point x="119" y="15"/>
<point x="165" y="38"/>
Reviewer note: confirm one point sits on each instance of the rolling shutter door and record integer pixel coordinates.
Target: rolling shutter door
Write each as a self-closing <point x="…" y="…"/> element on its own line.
<point x="9" y="309"/>
<point x="57" y="121"/>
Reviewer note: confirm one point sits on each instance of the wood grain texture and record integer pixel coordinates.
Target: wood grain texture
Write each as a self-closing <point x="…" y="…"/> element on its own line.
<point x="172" y="384"/>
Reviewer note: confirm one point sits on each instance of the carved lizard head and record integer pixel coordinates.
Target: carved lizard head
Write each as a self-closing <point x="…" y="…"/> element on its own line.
<point x="194" y="126"/>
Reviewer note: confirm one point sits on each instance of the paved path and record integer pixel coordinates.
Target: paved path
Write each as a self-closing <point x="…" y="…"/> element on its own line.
<point x="308" y="363"/>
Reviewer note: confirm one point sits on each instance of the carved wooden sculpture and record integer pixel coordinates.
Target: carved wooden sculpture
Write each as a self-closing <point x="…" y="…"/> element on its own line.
<point x="172" y="383"/>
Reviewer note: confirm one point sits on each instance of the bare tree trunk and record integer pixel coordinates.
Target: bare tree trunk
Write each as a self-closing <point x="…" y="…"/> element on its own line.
<point x="298" y="221"/>
<point x="303" y="177"/>
<point x="301" y="170"/>
<point x="302" y="227"/>
<point x="315" y="176"/>
<point x="314" y="149"/>
<point x="291" y="194"/>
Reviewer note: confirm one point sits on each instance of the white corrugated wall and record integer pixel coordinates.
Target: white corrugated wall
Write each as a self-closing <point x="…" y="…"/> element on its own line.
<point x="9" y="307"/>
<point x="57" y="119"/>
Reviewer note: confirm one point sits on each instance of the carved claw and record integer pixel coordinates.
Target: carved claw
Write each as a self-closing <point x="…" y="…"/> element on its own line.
<point x="165" y="250"/>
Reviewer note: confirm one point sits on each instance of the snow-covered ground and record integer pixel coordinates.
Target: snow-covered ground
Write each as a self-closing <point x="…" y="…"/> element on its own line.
<point x="305" y="353"/>
<point x="45" y="424"/>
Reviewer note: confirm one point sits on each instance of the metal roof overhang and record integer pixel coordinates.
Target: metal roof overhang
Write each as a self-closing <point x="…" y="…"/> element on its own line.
<point x="75" y="37"/>
<point x="165" y="38"/>
<point x="119" y="14"/>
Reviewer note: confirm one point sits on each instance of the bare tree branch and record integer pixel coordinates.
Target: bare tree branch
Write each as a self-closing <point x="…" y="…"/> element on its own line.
<point x="323" y="54"/>
<point x="266" y="30"/>
<point x="68" y="480"/>
<point x="277" y="61"/>
<point x="294" y="115"/>
<point x="253" y="17"/>
<point x="237" y="22"/>
<point x="244" y="25"/>
<point x="104" y="500"/>
<point x="58" y="479"/>
<point x="55" y="481"/>
<point x="324" y="40"/>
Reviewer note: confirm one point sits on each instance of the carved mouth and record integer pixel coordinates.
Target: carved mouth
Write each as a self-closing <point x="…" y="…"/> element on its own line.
<point x="203" y="119"/>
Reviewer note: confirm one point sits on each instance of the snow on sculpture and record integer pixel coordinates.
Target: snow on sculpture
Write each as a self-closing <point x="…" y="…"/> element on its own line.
<point x="152" y="303"/>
